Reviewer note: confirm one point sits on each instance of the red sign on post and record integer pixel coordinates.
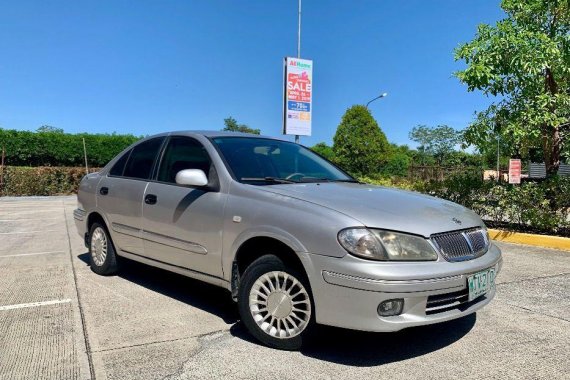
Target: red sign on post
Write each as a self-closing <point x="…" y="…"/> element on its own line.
<point x="299" y="87"/>
<point x="515" y="167"/>
<point x="297" y="99"/>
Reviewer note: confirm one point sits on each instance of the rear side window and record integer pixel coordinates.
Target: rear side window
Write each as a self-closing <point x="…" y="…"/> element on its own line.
<point x="183" y="153"/>
<point x="119" y="167"/>
<point x="141" y="160"/>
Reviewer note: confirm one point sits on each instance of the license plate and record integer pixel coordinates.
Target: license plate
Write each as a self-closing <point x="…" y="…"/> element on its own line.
<point x="480" y="283"/>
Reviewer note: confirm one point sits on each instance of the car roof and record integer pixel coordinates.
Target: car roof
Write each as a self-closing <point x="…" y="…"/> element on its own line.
<point x="213" y="134"/>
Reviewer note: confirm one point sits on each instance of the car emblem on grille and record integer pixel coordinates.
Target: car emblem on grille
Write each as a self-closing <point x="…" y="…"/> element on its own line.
<point x="456" y="220"/>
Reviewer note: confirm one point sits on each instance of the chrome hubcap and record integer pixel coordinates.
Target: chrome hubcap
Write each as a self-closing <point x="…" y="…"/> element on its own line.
<point x="99" y="246"/>
<point x="280" y="305"/>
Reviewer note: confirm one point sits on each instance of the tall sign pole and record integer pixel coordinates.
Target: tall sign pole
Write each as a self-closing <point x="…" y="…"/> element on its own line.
<point x="297" y="139"/>
<point x="297" y="92"/>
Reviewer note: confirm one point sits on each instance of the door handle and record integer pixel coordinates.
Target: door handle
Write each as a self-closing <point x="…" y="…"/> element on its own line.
<point x="104" y="191"/>
<point x="150" y="199"/>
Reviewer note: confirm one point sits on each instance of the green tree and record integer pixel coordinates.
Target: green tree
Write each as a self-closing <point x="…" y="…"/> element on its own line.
<point x="231" y="125"/>
<point x="324" y="150"/>
<point x="49" y="129"/>
<point x="397" y="165"/>
<point x="459" y="158"/>
<point x="438" y="142"/>
<point x="524" y="61"/>
<point x="359" y="145"/>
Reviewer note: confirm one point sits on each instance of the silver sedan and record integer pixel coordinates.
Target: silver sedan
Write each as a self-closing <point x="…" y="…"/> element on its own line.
<point x="295" y="239"/>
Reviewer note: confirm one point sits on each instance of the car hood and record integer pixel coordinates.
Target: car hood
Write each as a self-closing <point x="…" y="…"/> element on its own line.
<point x="384" y="207"/>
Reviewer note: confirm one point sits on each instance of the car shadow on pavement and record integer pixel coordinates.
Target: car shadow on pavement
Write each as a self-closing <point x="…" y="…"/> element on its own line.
<point x="210" y="298"/>
<point x="332" y="344"/>
<point x="367" y="349"/>
<point x="364" y="349"/>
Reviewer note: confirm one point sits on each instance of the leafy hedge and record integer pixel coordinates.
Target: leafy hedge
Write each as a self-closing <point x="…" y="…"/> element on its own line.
<point x="24" y="148"/>
<point x="536" y="207"/>
<point x="21" y="180"/>
<point x="539" y="207"/>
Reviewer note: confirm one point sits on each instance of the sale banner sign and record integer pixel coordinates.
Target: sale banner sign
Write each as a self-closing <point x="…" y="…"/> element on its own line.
<point x="297" y="99"/>
<point x="515" y="167"/>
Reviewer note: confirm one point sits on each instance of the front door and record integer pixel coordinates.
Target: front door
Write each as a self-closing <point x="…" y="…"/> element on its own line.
<point x="182" y="225"/>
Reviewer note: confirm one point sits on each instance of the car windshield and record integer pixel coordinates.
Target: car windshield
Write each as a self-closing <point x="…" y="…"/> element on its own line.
<point x="262" y="161"/>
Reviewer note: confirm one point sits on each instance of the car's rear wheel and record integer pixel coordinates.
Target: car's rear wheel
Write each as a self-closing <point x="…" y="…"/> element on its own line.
<point x="102" y="255"/>
<point x="275" y="303"/>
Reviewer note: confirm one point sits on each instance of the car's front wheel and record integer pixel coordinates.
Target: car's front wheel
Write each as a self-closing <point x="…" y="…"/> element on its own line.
<point x="275" y="303"/>
<point x="102" y="255"/>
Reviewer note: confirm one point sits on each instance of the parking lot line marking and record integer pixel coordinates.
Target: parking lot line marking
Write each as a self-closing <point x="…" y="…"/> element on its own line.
<point x="29" y="209"/>
<point x="17" y="220"/>
<point x="26" y="232"/>
<point x="33" y="304"/>
<point x="31" y="254"/>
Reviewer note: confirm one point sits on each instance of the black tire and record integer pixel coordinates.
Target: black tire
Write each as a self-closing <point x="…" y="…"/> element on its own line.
<point x="257" y="269"/>
<point x="109" y="265"/>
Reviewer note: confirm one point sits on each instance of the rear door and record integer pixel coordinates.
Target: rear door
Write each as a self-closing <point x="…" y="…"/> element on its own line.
<point x="120" y="194"/>
<point x="183" y="225"/>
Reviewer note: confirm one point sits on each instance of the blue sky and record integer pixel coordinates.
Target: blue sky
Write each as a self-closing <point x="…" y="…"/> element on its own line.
<point x="145" y="67"/>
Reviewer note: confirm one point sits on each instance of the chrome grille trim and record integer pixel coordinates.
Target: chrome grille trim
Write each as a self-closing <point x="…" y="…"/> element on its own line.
<point x="457" y="300"/>
<point x="478" y="240"/>
<point x="461" y="245"/>
<point x="443" y="302"/>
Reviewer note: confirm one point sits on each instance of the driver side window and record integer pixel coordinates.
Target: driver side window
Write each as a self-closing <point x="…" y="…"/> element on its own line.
<point x="183" y="153"/>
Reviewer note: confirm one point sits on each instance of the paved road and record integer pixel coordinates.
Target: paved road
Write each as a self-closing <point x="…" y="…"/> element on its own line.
<point x="58" y="320"/>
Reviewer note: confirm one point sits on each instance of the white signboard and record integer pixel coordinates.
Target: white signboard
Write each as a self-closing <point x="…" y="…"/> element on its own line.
<point x="297" y="100"/>
<point x="515" y="167"/>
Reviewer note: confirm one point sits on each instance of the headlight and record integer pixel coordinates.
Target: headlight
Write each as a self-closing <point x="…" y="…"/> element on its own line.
<point x="386" y="245"/>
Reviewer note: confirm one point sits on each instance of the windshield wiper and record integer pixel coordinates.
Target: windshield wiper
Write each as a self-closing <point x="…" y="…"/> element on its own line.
<point x="267" y="179"/>
<point x="324" y="179"/>
<point x="345" y="180"/>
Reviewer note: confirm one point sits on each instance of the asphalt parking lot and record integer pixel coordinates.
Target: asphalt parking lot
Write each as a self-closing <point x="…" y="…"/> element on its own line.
<point x="59" y="320"/>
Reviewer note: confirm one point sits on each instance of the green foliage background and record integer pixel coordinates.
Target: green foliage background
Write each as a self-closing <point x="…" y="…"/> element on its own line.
<point x="55" y="148"/>
<point x="231" y="125"/>
<point x="23" y="180"/>
<point x="360" y="146"/>
<point x="537" y="207"/>
<point x="523" y="63"/>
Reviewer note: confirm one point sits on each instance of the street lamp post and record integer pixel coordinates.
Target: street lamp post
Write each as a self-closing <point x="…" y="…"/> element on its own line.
<point x="498" y="158"/>
<point x="376" y="98"/>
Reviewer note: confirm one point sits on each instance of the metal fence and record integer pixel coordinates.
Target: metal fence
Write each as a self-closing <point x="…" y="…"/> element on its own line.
<point x="439" y="173"/>
<point x="538" y="170"/>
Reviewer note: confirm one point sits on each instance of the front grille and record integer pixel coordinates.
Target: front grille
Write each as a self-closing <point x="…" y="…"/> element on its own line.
<point x="478" y="239"/>
<point x="445" y="302"/>
<point x="462" y="245"/>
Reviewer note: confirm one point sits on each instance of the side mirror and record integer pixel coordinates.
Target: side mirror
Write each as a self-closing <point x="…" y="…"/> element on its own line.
<point x="191" y="177"/>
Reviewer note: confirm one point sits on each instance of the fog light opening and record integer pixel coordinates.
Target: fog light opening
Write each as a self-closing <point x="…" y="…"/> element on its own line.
<point x="389" y="308"/>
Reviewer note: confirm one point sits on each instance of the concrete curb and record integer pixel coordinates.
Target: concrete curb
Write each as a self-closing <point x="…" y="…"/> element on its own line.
<point x="547" y="241"/>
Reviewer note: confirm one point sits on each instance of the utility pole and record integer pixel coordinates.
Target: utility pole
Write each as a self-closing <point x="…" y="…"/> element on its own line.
<point x="297" y="139"/>
<point x="2" y="168"/>
<point x="85" y="154"/>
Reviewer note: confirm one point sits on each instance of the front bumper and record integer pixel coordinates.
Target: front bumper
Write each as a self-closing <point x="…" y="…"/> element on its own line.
<point x="348" y="290"/>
